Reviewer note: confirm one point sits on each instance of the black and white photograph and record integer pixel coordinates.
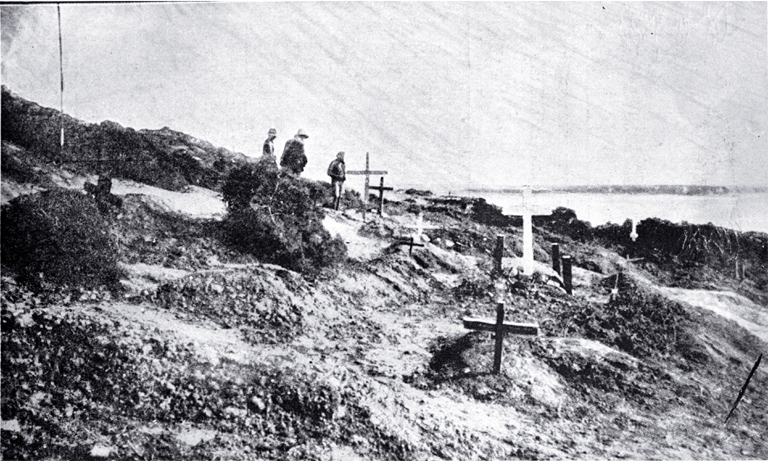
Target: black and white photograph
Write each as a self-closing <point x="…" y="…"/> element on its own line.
<point x="374" y="230"/>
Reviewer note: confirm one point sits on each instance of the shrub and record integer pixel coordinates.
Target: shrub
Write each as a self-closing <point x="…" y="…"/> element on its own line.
<point x="14" y="168"/>
<point x="245" y="181"/>
<point x="58" y="237"/>
<point x="280" y="224"/>
<point x="564" y="221"/>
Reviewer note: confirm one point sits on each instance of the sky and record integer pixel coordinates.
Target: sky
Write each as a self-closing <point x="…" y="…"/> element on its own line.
<point x="442" y="95"/>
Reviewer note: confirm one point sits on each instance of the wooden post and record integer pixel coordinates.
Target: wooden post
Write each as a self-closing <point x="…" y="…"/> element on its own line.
<point x="365" y="189"/>
<point x="367" y="181"/>
<point x="499" y="339"/>
<point x="567" y="275"/>
<point x="498" y="255"/>
<point x="556" y="258"/>
<point x="381" y="196"/>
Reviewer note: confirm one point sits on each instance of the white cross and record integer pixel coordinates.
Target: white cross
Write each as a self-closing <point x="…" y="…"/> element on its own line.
<point x="633" y="235"/>
<point x="420" y="226"/>
<point x="527" y="212"/>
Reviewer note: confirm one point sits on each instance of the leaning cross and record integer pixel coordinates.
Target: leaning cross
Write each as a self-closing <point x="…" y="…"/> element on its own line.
<point x="500" y="327"/>
<point x="381" y="190"/>
<point x="367" y="172"/>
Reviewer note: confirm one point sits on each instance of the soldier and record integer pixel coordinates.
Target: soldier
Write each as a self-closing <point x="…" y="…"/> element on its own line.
<point x="338" y="172"/>
<point x="269" y="144"/>
<point x="293" y="159"/>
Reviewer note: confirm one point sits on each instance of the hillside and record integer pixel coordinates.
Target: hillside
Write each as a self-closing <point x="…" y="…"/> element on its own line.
<point x="163" y="158"/>
<point x="203" y="351"/>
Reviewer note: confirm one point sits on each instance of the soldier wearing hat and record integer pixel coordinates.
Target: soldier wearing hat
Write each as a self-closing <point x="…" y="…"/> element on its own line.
<point x="293" y="159"/>
<point x="269" y="144"/>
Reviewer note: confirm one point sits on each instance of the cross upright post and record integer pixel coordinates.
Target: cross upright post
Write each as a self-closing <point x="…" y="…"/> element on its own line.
<point x="527" y="232"/>
<point x="498" y="255"/>
<point x="499" y="339"/>
<point x="567" y="274"/>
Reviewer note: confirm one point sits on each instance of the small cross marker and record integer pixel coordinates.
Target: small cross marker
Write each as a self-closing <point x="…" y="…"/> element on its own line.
<point x="381" y="190"/>
<point x="500" y="327"/>
<point x="410" y="243"/>
<point x="420" y="226"/>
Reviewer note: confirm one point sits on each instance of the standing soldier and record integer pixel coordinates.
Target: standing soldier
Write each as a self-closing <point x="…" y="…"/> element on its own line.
<point x="269" y="145"/>
<point x="293" y="159"/>
<point x="338" y="173"/>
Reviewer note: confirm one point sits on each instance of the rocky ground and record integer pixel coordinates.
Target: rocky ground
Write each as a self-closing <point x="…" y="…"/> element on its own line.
<point x="209" y="354"/>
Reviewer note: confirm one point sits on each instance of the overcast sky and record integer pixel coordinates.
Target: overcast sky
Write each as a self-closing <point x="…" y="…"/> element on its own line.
<point x="441" y="94"/>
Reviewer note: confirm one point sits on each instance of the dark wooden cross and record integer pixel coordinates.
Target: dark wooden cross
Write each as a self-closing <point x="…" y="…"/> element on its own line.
<point x="500" y="328"/>
<point x="410" y="242"/>
<point x="381" y="190"/>
<point x="367" y="172"/>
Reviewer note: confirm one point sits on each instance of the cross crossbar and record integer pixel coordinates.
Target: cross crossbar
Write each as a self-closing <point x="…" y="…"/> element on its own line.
<point x="500" y="327"/>
<point x="367" y="172"/>
<point x="513" y="328"/>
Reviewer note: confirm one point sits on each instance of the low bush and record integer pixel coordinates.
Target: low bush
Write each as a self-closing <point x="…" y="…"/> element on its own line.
<point x="280" y="223"/>
<point x="58" y="237"/>
<point x="246" y="181"/>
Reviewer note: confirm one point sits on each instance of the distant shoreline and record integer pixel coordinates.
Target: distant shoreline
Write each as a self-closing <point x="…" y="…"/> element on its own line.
<point x="631" y="189"/>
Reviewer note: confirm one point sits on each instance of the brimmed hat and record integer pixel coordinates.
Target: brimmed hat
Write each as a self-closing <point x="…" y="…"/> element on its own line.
<point x="302" y="134"/>
<point x="272" y="131"/>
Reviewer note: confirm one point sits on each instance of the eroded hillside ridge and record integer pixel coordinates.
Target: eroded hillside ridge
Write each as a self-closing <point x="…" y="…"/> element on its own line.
<point x="164" y="157"/>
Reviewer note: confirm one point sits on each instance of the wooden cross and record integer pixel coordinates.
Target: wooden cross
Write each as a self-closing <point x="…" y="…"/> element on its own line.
<point x="367" y="172"/>
<point x="420" y="226"/>
<point x="410" y="242"/>
<point x="500" y="328"/>
<point x="381" y="190"/>
<point x="633" y="235"/>
<point x="527" y="213"/>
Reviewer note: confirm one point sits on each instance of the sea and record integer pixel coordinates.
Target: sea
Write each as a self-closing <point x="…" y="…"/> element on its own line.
<point x="744" y="212"/>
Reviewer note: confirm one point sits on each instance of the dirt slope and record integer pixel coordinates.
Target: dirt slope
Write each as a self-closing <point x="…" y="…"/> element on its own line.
<point x="207" y="356"/>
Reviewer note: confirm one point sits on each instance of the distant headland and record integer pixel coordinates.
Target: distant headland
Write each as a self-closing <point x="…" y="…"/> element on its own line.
<point x="669" y="189"/>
